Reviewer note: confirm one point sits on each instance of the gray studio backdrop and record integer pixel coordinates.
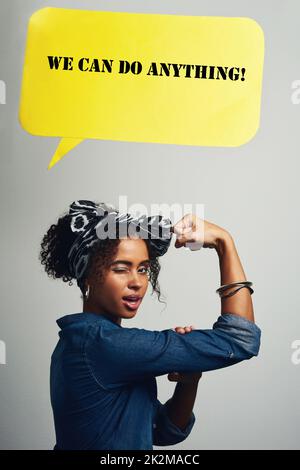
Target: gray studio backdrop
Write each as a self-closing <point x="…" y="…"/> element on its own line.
<point x="252" y="191"/>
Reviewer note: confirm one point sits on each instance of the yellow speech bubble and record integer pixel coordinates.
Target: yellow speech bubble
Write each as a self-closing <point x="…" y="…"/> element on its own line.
<point x="187" y="80"/>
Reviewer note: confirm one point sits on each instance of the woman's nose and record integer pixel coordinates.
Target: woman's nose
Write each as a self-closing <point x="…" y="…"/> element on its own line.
<point x="135" y="280"/>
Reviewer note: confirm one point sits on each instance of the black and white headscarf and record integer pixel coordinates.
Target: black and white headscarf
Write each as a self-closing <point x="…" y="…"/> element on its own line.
<point x="98" y="221"/>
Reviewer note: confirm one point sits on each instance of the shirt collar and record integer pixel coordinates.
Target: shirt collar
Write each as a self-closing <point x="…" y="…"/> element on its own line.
<point x="85" y="317"/>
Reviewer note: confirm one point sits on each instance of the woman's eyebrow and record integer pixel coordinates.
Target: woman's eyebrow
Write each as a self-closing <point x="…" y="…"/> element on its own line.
<point x="129" y="263"/>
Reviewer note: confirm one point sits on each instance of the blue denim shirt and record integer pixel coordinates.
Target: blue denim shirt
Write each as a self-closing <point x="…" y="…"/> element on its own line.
<point x="103" y="377"/>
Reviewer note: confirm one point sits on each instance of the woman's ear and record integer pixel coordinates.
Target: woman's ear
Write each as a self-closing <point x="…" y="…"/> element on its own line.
<point x="84" y="285"/>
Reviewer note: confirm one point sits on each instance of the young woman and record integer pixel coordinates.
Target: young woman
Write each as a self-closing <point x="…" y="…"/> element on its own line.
<point x="103" y="375"/>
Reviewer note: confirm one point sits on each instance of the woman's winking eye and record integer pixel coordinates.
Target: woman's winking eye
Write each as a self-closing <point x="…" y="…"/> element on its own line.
<point x="124" y="269"/>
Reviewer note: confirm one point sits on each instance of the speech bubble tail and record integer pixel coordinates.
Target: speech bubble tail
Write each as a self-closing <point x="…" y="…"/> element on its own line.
<point x="64" y="146"/>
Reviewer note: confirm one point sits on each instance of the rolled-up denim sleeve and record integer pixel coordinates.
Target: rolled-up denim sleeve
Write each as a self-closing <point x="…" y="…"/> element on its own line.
<point x="165" y="432"/>
<point x="119" y="356"/>
<point x="244" y="334"/>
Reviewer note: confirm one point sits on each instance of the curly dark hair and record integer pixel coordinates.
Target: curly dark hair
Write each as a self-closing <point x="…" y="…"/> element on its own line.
<point x="55" y="247"/>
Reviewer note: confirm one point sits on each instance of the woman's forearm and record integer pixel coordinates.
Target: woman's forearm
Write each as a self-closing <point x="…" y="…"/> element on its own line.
<point x="191" y="229"/>
<point x="180" y="405"/>
<point x="231" y="270"/>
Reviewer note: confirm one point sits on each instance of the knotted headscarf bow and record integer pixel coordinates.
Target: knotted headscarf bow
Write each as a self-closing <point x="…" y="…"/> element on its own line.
<point x="99" y="221"/>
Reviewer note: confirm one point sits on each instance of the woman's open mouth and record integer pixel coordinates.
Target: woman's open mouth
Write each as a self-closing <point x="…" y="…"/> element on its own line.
<point x="132" y="301"/>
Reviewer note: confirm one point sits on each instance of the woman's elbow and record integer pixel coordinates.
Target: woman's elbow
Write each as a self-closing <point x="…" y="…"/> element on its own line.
<point x="248" y="348"/>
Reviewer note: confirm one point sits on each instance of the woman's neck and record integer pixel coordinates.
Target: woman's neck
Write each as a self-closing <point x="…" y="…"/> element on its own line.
<point x="90" y="308"/>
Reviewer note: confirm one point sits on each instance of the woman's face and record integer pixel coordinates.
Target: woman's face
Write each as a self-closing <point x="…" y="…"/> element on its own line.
<point x="125" y="283"/>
